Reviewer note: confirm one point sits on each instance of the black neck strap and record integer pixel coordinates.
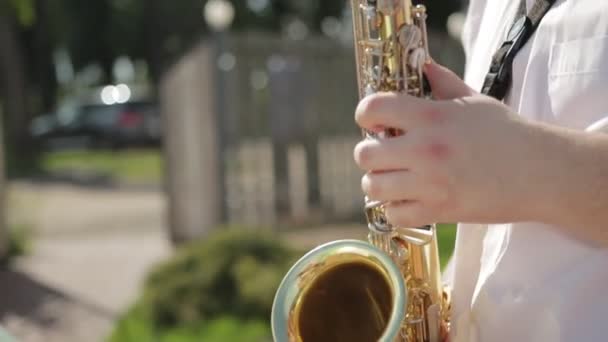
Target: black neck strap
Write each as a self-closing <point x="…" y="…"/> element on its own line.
<point x="498" y="79"/>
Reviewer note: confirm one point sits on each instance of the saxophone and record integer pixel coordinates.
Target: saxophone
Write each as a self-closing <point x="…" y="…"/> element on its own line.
<point x="389" y="288"/>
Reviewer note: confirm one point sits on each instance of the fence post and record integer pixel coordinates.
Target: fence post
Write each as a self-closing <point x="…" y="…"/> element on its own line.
<point x="193" y="179"/>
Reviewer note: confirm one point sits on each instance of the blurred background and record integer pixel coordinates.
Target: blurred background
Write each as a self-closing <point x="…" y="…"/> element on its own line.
<point x="163" y="163"/>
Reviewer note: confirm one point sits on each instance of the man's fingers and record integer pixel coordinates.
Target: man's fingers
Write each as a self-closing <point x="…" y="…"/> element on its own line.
<point x="393" y="110"/>
<point x="392" y="186"/>
<point x="403" y="185"/>
<point x="383" y="154"/>
<point x="445" y="85"/>
<point x="408" y="214"/>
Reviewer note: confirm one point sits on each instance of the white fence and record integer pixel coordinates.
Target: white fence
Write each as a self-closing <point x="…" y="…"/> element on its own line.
<point x="260" y="132"/>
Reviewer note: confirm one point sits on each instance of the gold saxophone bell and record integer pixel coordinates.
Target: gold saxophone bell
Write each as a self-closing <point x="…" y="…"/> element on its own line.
<point x="345" y="290"/>
<point x="389" y="289"/>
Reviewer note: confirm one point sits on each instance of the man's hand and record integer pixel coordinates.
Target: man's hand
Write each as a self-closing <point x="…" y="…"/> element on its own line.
<point x="459" y="160"/>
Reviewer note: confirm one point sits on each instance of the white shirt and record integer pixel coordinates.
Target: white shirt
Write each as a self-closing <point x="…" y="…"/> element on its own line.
<point x="527" y="282"/>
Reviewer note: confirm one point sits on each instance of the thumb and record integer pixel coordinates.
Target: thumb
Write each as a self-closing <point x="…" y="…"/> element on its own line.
<point x="445" y="85"/>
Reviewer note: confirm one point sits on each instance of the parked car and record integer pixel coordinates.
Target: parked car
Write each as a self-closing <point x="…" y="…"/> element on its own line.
<point x="120" y="125"/>
<point x="99" y="125"/>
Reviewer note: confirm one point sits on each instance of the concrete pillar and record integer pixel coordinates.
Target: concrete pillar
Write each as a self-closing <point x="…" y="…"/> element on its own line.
<point x="192" y="145"/>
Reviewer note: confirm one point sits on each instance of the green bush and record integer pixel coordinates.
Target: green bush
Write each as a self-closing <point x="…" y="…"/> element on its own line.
<point x="137" y="327"/>
<point x="231" y="274"/>
<point x="18" y="243"/>
<point x="218" y="290"/>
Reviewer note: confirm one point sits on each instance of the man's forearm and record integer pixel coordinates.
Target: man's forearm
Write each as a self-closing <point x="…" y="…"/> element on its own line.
<point x="574" y="190"/>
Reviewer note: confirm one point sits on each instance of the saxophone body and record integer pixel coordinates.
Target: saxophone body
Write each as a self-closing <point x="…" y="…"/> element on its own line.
<point x="389" y="288"/>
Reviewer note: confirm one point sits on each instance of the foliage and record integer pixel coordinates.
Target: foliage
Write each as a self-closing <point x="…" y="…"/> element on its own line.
<point x="219" y="289"/>
<point x="233" y="273"/>
<point x="446" y="237"/>
<point x="100" y="31"/>
<point x="18" y="242"/>
<point x="136" y="328"/>
<point x="24" y="11"/>
<point x="439" y="11"/>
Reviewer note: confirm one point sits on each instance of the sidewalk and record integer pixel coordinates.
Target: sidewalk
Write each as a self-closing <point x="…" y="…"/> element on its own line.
<point x="89" y="258"/>
<point x="91" y="251"/>
<point x="73" y="289"/>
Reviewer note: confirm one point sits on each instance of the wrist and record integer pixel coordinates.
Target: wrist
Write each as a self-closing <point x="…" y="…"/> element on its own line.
<point x="561" y="170"/>
<point x="541" y="171"/>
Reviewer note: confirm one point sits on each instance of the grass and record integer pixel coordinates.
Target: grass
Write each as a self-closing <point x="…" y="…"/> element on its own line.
<point x="128" y="166"/>
<point x="446" y="238"/>
<point x="18" y="243"/>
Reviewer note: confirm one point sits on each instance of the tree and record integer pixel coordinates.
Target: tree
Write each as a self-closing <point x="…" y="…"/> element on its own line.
<point x="40" y="56"/>
<point x="3" y="224"/>
<point x="13" y="77"/>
